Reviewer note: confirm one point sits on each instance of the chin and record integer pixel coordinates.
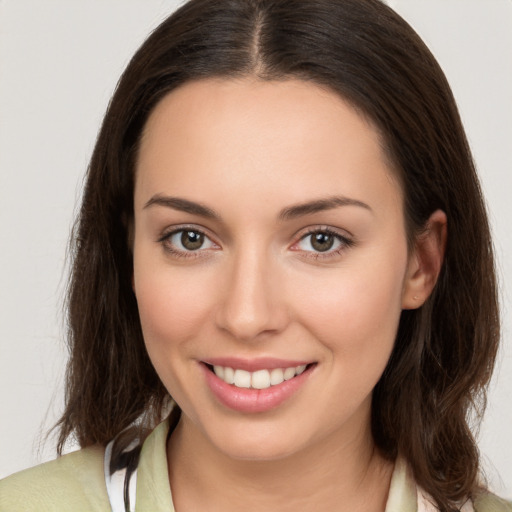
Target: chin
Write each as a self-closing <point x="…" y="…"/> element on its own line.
<point x="258" y="452"/>
<point x="260" y="442"/>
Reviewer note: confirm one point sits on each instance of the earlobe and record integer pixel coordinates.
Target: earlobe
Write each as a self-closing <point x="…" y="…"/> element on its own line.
<point x="425" y="261"/>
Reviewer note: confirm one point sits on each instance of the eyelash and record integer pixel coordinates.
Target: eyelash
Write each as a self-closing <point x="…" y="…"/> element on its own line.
<point x="164" y="240"/>
<point x="345" y="243"/>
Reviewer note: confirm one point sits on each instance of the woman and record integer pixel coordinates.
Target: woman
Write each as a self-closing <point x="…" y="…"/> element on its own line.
<point x="275" y="232"/>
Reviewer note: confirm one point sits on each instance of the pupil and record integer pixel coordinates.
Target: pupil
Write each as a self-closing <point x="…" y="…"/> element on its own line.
<point x="322" y="241"/>
<point x="192" y="240"/>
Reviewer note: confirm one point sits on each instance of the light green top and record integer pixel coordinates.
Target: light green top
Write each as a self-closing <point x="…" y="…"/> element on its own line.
<point x="75" y="483"/>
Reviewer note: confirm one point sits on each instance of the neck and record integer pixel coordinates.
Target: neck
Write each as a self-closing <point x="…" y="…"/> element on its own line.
<point x="339" y="473"/>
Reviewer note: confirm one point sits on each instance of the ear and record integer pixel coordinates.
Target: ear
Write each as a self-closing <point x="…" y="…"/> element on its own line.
<point x="425" y="261"/>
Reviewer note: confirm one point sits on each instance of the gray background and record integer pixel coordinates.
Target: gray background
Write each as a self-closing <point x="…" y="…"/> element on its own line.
<point x="59" y="63"/>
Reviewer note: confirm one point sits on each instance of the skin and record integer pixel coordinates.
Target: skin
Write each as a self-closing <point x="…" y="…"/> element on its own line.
<point x="247" y="150"/>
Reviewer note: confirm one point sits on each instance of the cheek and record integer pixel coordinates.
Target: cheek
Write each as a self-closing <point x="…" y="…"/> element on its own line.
<point x="172" y="305"/>
<point x="355" y="313"/>
<point x="172" y="309"/>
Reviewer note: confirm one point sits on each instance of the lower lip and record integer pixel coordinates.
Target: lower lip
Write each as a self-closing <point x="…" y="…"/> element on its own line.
<point x="254" y="400"/>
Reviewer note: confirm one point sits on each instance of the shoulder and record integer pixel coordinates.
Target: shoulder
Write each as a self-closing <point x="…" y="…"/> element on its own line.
<point x="72" y="482"/>
<point x="488" y="502"/>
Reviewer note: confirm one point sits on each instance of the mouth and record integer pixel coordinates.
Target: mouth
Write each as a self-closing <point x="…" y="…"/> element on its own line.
<point x="259" y="386"/>
<point x="259" y="379"/>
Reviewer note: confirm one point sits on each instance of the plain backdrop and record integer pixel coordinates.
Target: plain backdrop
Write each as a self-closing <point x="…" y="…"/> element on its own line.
<point x="59" y="63"/>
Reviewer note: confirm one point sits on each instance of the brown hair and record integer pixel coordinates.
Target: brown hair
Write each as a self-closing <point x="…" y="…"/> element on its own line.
<point x="434" y="384"/>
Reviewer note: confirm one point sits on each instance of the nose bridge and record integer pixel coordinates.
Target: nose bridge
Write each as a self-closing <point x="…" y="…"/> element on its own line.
<point x="251" y="304"/>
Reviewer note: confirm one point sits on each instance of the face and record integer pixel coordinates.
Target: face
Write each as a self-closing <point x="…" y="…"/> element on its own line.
<point x="270" y="262"/>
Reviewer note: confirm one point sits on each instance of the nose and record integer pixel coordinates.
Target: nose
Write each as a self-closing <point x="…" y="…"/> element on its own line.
<point x="253" y="302"/>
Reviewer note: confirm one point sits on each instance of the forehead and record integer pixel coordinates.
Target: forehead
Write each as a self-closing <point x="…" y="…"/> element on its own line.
<point x="255" y="137"/>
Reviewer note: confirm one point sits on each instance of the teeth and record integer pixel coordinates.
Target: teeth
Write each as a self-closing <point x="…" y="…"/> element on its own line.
<point x="276" y="376"/>
<point x="219" y="371"/>
<point x="300" y="369"/>
<point x="229" y="375"/>
<point x="261" y="379"/>
<point x="242" y="379"/>
<point x="289" y="373"/>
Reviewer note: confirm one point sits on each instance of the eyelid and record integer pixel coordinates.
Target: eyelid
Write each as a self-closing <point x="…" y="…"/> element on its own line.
<point x="322" y="228"/>
<point x="167" y="233"/>
<point x="346" y="239"/>
<point x="170" y="230"/>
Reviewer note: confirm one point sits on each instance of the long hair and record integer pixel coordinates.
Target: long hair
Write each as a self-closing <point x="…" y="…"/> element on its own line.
<point x="434" y="385"/>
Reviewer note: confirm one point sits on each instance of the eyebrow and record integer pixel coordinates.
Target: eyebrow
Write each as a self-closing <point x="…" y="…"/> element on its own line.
<point x="182" y="205"/>
<point x="320" y="205"/>
<point x="288" y="213"/>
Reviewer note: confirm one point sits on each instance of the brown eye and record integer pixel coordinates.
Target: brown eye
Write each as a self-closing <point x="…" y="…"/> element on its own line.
<point x="322" y="241"/>
<point x="186" y="241"/>
<point x="192" y="240"/>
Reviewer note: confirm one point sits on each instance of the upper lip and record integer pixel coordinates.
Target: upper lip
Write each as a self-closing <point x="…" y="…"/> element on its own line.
<point x="252" y="365"/>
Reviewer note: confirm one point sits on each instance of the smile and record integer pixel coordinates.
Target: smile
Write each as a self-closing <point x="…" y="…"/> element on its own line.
<point x="260" y="379"/>
<point x="255" y="386"/>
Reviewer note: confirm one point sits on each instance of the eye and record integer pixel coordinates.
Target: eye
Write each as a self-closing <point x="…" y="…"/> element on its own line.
<point x="323" y="241"/>
<point x="186" y="240"/>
